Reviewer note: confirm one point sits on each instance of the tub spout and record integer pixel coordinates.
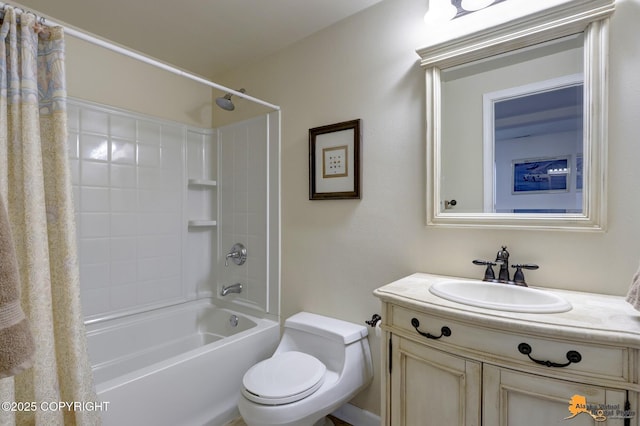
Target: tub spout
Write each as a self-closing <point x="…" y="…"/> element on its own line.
<point x="234" y="288"/>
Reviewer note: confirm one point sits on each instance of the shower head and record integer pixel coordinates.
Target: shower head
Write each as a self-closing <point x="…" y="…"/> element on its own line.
<point x="225" y="103"/>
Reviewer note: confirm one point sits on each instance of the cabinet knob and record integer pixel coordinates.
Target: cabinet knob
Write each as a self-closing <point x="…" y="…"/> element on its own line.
<point x="573" y="357"/>
<point x="444" y="331"/>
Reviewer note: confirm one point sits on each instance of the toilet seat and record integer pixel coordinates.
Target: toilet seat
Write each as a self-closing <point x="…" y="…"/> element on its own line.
<point x="284" y="378"/>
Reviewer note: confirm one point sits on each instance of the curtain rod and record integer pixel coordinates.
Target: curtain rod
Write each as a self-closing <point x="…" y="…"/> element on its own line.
<point x="137" y="56"/>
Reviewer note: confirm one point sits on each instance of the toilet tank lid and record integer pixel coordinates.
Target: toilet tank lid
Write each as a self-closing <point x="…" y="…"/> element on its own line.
<point x="330" y="328"/>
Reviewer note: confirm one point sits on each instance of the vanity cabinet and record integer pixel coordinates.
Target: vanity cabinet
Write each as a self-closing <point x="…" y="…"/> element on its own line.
<point x="513" y="397"/>
<point x="451" y="364"/>
<point x="433" y="387"/>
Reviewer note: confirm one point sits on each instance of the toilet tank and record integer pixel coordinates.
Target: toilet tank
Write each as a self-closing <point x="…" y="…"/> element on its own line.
<point x="330" y="328"/>
<point x="323" y="337"/>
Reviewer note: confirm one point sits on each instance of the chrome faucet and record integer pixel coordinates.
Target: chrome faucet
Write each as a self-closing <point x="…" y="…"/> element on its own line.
<point x="238" y="254"/>
<point x="233" y="288"/>
<point x="502" y="259"/>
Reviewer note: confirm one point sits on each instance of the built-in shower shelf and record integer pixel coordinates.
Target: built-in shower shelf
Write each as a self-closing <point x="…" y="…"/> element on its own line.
<point x="202" y="182"/>
<point x="202" y="223"/>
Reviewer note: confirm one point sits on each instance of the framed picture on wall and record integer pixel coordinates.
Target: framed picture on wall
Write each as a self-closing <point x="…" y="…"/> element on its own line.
<point x="334" y="161"/>
<point x="540" y="175"/>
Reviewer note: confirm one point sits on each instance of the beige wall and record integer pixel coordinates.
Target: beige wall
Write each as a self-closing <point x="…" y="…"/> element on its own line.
<point x="335" y="253"/>
<point x="99" y="75"/>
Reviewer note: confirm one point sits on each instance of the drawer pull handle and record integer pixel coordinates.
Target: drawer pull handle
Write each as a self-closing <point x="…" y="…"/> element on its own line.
<point x="444" y="331"/>
<point x="572" y="356"/>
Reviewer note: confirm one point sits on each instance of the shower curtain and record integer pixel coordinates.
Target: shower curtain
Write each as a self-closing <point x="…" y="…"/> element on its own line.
<point x="35" y="184"/>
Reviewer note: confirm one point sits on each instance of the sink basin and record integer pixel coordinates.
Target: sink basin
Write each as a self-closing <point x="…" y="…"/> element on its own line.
<point x="503" y="297"/>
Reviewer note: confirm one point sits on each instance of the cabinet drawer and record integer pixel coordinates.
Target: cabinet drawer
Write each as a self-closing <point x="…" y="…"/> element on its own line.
<point x="497" y="346"/>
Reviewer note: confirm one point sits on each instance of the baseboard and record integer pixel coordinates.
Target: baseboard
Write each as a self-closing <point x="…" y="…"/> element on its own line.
<point x="356" y="416"/>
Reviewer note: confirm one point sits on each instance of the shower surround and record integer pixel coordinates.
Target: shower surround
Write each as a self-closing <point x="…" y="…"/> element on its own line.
<point x="159" y="204"/>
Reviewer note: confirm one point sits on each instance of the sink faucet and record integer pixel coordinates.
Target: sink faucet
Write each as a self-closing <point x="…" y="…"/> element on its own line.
<point x="234" y="288"/>
<point x="502" y="259"/>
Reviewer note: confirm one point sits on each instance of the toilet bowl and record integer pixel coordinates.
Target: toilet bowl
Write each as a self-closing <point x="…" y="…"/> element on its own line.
<point x="319" y="365"/>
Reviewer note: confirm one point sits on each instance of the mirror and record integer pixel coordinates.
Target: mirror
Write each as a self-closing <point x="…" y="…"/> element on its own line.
<point x="522" y="113"/>
<point x="533" y="147"/>
<point x="516" y="133"/>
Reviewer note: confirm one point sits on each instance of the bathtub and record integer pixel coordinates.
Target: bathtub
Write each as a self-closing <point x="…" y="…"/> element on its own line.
<point x="181" y="365"/>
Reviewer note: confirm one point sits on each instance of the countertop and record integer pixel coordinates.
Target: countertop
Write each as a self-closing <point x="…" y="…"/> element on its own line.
<point x="603" y="318"/>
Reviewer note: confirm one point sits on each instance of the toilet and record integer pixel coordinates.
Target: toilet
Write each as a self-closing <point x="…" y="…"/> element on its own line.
<point x="319" y="365"/>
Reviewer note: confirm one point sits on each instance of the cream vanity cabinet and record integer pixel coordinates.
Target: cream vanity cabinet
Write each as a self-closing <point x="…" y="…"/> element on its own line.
<point x="432" y="387"/>
<point x="447" y="363"/>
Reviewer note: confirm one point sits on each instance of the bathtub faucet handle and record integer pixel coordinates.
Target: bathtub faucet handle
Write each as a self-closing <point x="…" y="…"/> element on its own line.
<point x="238" y="254"/>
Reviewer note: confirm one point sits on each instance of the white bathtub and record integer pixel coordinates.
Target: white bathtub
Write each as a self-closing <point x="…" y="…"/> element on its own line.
<point x="181" y="365"/>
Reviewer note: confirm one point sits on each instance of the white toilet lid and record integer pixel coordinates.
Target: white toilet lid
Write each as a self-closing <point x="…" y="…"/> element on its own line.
<point x="284" y="378"/>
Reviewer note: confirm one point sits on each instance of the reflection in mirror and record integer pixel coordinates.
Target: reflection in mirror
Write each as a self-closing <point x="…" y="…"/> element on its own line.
<point x="512" y="131"/>
<point x="534" y="146"/>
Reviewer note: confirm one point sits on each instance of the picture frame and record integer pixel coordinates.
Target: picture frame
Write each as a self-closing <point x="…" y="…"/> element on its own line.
<point x="334" y="161"/>
<point x="541" y="175"/>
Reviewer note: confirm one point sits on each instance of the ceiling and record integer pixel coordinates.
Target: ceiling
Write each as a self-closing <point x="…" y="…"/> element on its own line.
<point x="205" y="37"/>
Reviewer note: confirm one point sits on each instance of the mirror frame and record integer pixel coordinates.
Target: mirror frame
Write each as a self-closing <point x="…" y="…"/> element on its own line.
<point x="530" y="30"/>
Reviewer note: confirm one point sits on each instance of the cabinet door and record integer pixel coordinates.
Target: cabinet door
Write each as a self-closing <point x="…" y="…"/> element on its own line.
<point x="433" y="388"/>
<point x="521" y="399"/>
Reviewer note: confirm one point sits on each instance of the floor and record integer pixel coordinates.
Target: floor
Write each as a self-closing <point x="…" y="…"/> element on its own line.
<point x="336" y="422"/>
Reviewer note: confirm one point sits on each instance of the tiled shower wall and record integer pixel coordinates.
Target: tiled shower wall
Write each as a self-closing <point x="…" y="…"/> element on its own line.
<point x="243" y="186"/>
<point x="134" y="203"/>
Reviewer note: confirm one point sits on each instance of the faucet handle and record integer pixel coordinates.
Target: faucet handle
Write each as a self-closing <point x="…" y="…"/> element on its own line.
<point x="488" y="273"/>
<point x="530" y="266"/>
<point x="238" y="254"/>
<point x="518" y="276"/>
